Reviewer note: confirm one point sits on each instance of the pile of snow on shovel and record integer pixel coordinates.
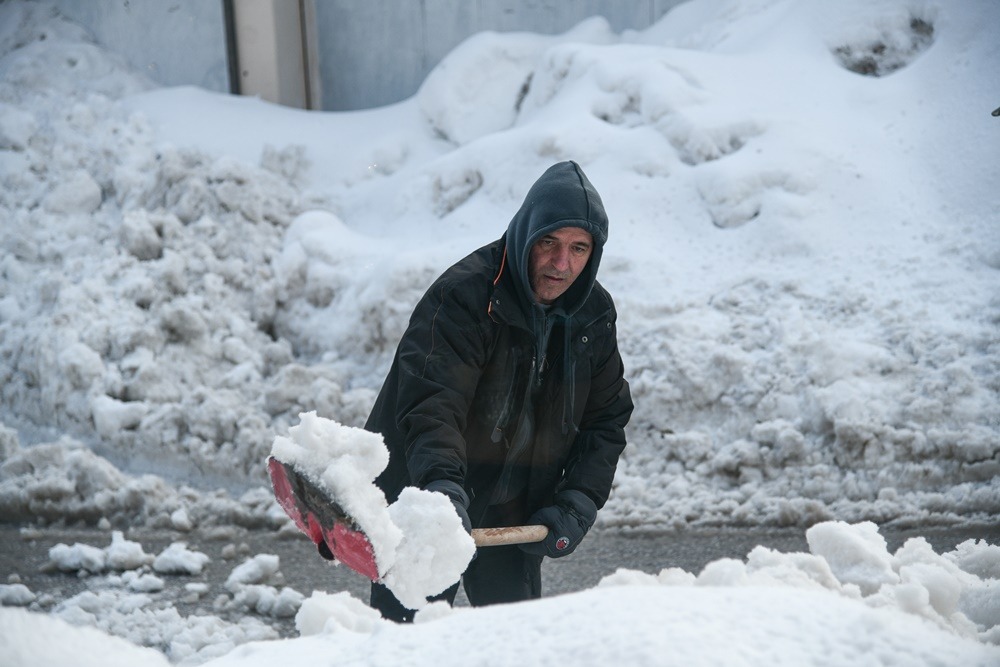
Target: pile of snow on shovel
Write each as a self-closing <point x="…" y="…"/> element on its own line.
<point x="419" y="543"/>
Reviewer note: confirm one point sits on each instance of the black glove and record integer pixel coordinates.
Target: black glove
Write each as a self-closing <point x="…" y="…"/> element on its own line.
<point x="568" y="520"/>
<point x="324" y="550"/>
<point x="459" y="498"/>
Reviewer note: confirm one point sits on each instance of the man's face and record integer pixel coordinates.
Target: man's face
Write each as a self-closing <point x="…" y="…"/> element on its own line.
<point x="556" y="260"/>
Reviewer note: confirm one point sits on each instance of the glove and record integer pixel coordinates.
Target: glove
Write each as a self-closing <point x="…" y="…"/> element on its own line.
<point x="324" y="550"/>
<point x="458" y="497"/>
<point x="568" y="521"/>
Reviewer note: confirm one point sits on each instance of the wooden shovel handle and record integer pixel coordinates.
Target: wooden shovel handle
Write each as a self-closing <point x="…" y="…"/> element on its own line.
<point x="492" y="537"/>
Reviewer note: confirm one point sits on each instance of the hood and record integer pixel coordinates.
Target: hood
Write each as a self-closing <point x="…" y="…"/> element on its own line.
<point x="562" y="197"/>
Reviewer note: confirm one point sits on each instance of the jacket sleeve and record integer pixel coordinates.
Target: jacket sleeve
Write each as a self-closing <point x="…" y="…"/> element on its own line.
<point x="601" y="438"/>
<point x="441" y="359"/>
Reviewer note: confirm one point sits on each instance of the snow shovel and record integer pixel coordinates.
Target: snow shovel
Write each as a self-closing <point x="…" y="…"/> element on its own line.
<point x="322" y="519"/>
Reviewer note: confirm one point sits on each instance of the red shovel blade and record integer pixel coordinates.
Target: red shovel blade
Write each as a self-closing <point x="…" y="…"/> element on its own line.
<point x="320" y="517"/>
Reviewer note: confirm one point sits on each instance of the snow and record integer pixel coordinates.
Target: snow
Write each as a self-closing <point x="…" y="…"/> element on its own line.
<point x="803" y="252"/>
<point x="419" y="544"/>
<point x="773" y="608"/>
<point x="345" y="462"/>
<point x="178" y="559"/>
<point x="434" y="551"/>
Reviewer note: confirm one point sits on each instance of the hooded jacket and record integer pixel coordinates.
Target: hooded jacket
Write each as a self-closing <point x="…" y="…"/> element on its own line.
<point x="486" y="381"/>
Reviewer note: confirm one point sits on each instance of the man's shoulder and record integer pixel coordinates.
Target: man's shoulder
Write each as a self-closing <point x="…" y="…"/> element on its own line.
<point x="480" y="263"/>
<point x="599" y="303"/>
<point x="470" y="279"/>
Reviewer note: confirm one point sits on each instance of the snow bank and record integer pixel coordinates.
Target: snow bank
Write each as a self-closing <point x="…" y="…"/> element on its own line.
<point x="140" y="303"/>
<point x="773" y="609"/>
<point x="67" y="644"/>
<point x="65" y="482"/>
<point x="845" y="601"/>
<point x="803" y="253"/>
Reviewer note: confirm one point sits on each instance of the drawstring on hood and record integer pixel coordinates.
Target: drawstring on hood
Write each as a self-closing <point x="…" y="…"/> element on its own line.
<point x="562" y="197"/>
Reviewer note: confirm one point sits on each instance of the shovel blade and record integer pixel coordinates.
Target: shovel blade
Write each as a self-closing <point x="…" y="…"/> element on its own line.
<point x="321" y="518"/>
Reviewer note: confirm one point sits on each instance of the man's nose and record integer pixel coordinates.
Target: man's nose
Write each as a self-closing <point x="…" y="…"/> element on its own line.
<point x="560" y="258"/>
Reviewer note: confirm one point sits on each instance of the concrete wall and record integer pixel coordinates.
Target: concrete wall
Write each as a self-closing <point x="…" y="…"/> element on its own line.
<point x="174" y="42"/>
<point x="365" y="53"/>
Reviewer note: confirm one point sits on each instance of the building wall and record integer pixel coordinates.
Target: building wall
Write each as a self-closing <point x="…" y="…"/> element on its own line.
<point x="174" y="42"/>
<point x="367" y="52"/>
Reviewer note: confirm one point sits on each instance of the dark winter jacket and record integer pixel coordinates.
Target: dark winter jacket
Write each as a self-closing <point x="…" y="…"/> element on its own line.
<point x="479" y="353"/>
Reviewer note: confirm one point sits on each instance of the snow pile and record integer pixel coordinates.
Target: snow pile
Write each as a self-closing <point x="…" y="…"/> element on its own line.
<point x="462" y="105"/>
<point x="344" y="463"/>
<point x="126" y="597"/>
<point x="247" y="583"/>
<point x="419" y="544"/>
<point x="325" y="613"/>
<point x="435" y="549"/>
<point x="68" y="645"/>
<point x="846" y="602"/>
<point x="852" y="561"/>
<point x="178" y="559"/>
<point x="16" y="595"/>
<point x="65" y="482"/>
<point x="806" y="311"/>
<point x="805" y="271"/>
<point x="139" y="298"/>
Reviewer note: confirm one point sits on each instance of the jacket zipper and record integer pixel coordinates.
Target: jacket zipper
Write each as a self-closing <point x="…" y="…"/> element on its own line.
<point x="497" y="435"/>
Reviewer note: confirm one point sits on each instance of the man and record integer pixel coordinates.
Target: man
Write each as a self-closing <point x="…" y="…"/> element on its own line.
<point x="507" y="391"/>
